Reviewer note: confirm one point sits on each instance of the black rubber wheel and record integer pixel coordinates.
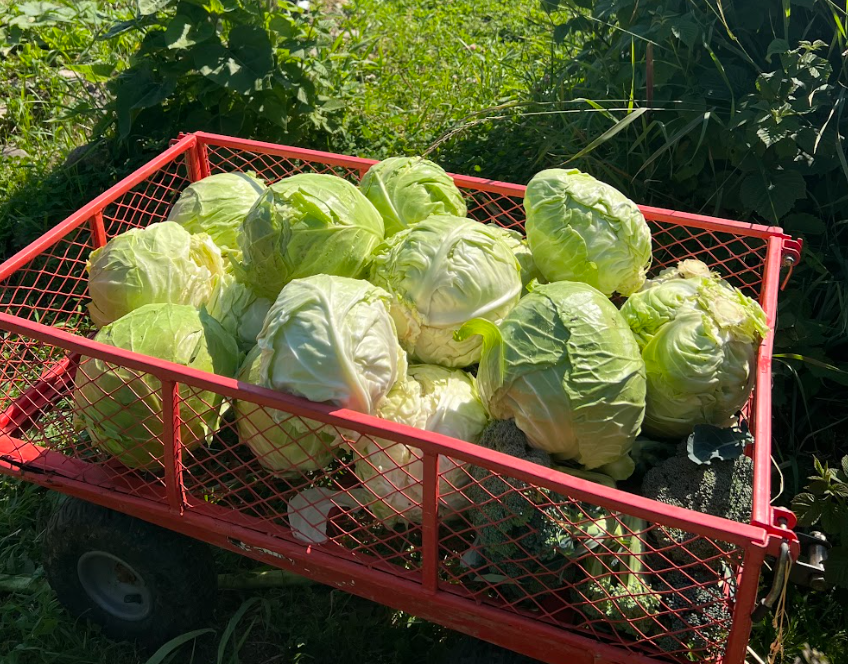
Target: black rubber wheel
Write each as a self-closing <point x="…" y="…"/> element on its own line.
<point x="138" y="581"/>
<point x="474" y="651"/>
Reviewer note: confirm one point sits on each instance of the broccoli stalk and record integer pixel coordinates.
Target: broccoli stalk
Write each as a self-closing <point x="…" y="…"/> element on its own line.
<point x="616" y="589"/>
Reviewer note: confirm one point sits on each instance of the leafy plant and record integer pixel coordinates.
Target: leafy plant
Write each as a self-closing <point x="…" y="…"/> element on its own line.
<point x="240" y="67"/>
<point x="735" y="109"/>
<point x="825" y="502"/>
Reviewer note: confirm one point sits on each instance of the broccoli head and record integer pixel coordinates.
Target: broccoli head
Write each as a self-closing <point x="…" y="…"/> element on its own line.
<point x="518" y="526"/>
<point x="698" y="616"/>
<point x="721" y="488"/>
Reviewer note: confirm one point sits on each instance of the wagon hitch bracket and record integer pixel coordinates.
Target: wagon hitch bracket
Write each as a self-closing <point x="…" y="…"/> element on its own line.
<point x="781" y="574"/>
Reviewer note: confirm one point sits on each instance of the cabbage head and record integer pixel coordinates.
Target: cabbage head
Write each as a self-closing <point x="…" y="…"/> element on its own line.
<point x="518" y="243"/>
<point x="285" y="444"/>
<point x="217" y="206"/>
<point x="699" y="337"/>
<point x="566" y="367"/>
<point x="122" y="408"/>
<point x="241" y="311"/>
<point x="160" y="264"/>
<point x="331" y="339"/>
<point x="443" y="272"/>
<point x="407" y="190"/>
<point x="304" y="225"/>
<point x="581" y="229"/>
<point x="436" y="399"/>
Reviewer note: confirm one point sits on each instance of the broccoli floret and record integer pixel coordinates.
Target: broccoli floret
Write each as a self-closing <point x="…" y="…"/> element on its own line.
<point x="721" y="488"/>
<point x="519" y="531"/>
<point x="698" y="617"/>
<point x="617" y="589"/>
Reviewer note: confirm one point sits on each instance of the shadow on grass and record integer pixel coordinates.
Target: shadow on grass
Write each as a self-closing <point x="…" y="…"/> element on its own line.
<point x="42" y="201"/>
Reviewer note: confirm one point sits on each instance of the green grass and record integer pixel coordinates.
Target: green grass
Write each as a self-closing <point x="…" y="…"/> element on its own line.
<point x="47" y="110"/>
<point x="428" y="66"/>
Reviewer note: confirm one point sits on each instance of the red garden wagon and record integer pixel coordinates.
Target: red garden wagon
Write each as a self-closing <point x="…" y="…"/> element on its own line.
<point x="141" y="579"/>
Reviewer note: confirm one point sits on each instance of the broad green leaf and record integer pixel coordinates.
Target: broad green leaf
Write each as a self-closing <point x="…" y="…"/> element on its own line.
<point x="844" y="464"/>
<point x="802" y="222"/>
<point x="96" y="72"/>
<point x="686" y="31"/>
<point x="284" y="26"/>
<point x="776" y="46"/>
<point x="137" y="89"/>
<point x="241" y="66"/>
<point x="333" y="105"/>
<point x="772" y="195"/>
<point x="182" y="32"/>
<point x="807" y="508"/>
<point x="550" y="5"/>
<point x="709" y="442"/>
<point x="836" y="566"/>
<point x="146" y="7"/>
<point x="831" y="518"/>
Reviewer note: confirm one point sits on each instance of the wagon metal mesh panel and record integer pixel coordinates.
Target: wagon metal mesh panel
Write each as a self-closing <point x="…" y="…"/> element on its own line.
<point x="387" y="498"/>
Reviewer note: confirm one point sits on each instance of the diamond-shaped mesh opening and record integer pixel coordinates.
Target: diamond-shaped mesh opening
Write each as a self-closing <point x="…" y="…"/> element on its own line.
<point x="488" y="207"/>
<point x="148" y="202"/>
<point x="271" y="167"/>
<point x="98" y="413"/>
<point x="624" y="580"/>
<point x="273" y="467"/>
<point x="737" y="258"/>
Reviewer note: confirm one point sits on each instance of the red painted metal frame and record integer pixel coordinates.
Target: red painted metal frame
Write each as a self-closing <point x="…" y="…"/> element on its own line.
<point x="172" y="508"/>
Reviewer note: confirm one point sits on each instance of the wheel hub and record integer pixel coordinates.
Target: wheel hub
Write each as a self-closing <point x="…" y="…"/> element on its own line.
<point x="114" y="586"/>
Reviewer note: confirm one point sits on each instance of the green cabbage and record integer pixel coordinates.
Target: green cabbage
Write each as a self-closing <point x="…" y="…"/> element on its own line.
<point x="217" y="206"/>
<point x="304" y="225"/>
<point x="407" y="190"/>
<point x="238" y="309"/>
<point x="122" y="408"/>
<point x="518" y="243"/>
<point x="331" y="339"/>
<point x="436" y="399"/>
<point x="443" y="272"/>
<point x="699" y="338"/>
<point x="284" y="444"/>
<point x="162" y="263"/>
<point x="580" y="229"/>
<point x="566" y="367"/>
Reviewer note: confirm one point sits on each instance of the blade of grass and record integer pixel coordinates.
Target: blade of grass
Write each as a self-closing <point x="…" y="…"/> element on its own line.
<point x="231" y="626"/>
<point x="609" y="133"/>
<point x="175" y="644"/>
<point x="689" y="126"/>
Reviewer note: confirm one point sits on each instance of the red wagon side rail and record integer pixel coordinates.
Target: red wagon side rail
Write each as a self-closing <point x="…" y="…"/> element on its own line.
<point x="323" y="523"/>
